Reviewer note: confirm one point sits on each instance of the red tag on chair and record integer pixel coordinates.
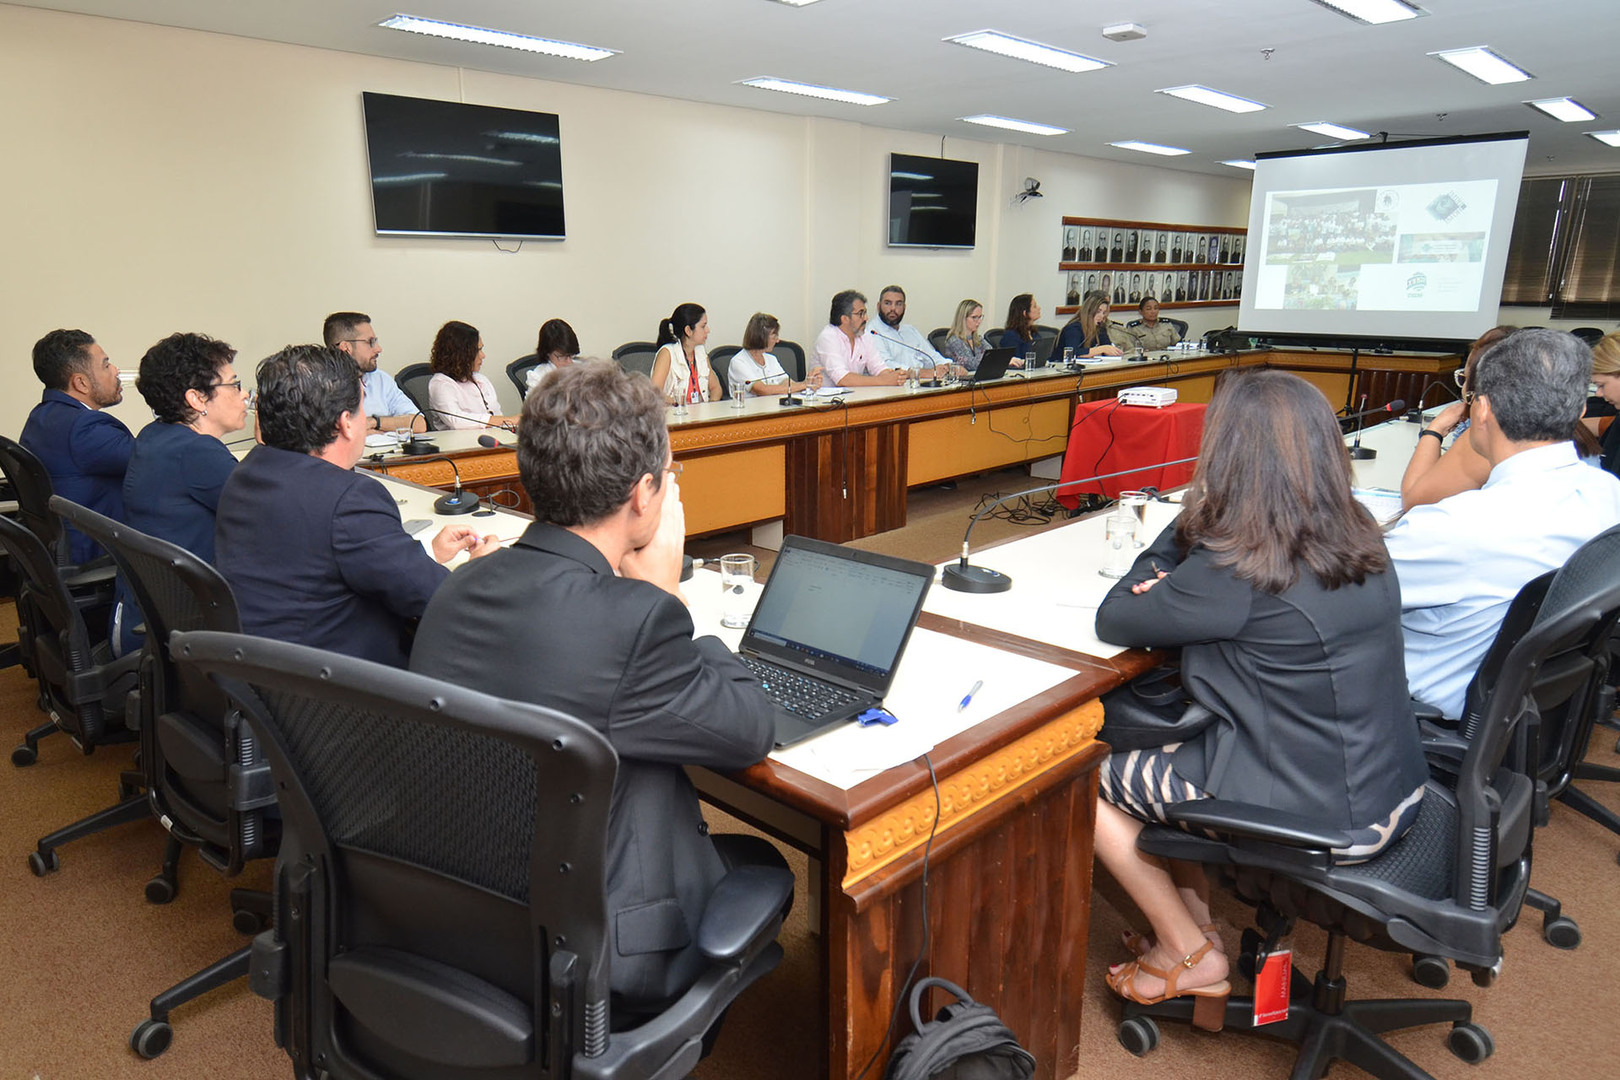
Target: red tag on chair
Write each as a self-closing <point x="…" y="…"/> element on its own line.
<point x="1271" y="985"/>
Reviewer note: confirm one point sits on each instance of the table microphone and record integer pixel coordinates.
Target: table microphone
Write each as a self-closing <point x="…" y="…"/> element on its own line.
<point x="458" y="501"/>
<point x="1366" y="453"/>
<point x="963" y="577"/>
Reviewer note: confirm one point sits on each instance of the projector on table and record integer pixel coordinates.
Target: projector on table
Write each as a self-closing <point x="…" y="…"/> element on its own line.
<point x="1152" y="397"/>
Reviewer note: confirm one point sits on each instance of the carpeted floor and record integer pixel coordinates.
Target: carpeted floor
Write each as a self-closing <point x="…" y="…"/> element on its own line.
<point x="81" y="951"/>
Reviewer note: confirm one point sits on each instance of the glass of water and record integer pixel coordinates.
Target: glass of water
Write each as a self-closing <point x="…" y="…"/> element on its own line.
<point x="737" y="591"/>
<point x="1136" y="502"/>
<point x="1119" y="530"/>
<point x="1068" y="355"/>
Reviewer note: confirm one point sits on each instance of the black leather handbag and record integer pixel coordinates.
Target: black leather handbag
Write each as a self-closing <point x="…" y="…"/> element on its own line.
<point x="1151" y="710"/>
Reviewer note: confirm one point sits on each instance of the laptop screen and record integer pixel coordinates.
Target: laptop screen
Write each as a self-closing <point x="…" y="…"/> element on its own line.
<point x="840" y="611"/>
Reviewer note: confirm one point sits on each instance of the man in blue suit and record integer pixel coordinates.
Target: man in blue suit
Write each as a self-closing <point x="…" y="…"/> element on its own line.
<point x="85" y="450"/>
<point x="314" y="550"/>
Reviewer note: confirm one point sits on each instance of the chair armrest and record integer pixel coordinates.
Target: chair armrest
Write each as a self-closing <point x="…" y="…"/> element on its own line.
<point x="1430" y="714"/>
<point x="1247" y="821"/>
<point x="744" y="911"/>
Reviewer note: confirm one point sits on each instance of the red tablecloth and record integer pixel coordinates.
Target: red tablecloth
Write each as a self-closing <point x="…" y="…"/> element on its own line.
<point x="1108" y="437"/>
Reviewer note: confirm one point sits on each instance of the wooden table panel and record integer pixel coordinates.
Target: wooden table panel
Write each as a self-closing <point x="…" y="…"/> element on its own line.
<point x="951" y="446"/>
<point x="728" y="489"/>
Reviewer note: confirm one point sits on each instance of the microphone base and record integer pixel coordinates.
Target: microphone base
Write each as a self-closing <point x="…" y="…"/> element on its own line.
<point x="418" y="447"/>
<point x="1362" y="453"/>
<point x="462" y="502"/>
<point x="974" y="579"/>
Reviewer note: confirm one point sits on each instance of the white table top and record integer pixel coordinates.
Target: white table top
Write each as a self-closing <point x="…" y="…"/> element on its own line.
<point x="416" y="504"/>
<point x="925" y="703"/>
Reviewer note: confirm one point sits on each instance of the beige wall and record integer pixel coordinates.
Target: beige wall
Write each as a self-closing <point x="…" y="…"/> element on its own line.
<point x="161" y="179"/>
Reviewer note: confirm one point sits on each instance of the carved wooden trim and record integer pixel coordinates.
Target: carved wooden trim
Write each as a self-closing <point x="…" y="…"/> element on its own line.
<point x="970" y="790"/>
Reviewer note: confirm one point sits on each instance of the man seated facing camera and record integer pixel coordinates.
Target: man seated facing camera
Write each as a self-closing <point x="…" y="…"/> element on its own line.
<point x="584" y="614"/>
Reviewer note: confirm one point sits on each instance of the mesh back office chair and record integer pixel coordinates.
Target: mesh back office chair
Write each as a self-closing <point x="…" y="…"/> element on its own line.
<point x="413" y="380"/>
<point x="30" y="484"/>
<point x="937" y="338"/>
<point x="518" y="371"/>
<point x="1045" y="338"/>
<point x="1450" y="887"/>
<point x="790" y="354"/>
<point x="81" y="686"/>
<point x="204" y="777"/>
<point x="636" y="356"/>
<point x="720" y="364"/>
<point x="992" y="337"/>
<point x="1589" y="334"/>
<point x="440" y="890"/>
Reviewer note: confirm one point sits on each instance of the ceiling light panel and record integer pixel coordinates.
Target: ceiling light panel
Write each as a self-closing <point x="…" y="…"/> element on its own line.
<point x="1373" y="11"/>
<point x="1609" y="138"/>
<point x="1566" y="109"/>
<point x="1238" y="163"/>
<point x="1332" y="131"/>
<point x="1029" y="127"/>
<point x="1032" y="51"/>
<point x="1215" y="99"/>
<point x="1484" y="65"/>
<point x="479" y="35"/>
<point x="826" y="93"/>
<point x="1150" y="148"/>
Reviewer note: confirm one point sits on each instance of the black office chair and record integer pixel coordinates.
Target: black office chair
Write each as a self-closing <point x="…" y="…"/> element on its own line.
<point x="518" y="371"/>
<point x="992" y="337"/>
<point x="413" y="380"/>
<point x="720" y="364"/>
<point x="440" y="890"/>
<point x="1450" y="887"/>
<point x="81" y="686"/>
<point x="205" y="779"/>
<point x="1179" y="324"/>
<point x="636" y="356"/>
<point x="1045" y="339"/>
<point x="1589" y="334"/>
<point x="790" y="354"/>
<point x="30" y="484"/>
<point x="937" y="338"/>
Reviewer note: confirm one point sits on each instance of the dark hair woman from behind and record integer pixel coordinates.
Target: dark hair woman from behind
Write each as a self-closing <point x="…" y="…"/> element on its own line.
<point x="180" y="461"/>
<point x="556" y="348"/>
<point x="1275" y="583"/>
<point x="681" y="371"/>
<point x="459" y="396"/>
<point x="1019" y="334"/>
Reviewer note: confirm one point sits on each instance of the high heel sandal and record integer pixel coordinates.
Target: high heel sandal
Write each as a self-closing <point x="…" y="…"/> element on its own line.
<point x="1209" y="1008"/>
<point x="1139" y="944"/>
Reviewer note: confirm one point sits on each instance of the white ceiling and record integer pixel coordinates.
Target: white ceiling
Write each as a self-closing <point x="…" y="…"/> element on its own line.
<point x="1321" y="66"/>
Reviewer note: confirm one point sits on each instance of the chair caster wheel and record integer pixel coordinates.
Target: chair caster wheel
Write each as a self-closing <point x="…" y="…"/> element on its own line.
<point x="248" y="922"/>
<point x="150" y="1038"/>
<point x="24" y="756"/>
<point x="42" y="863"/>
<point x="160" y="890"/>
<point x="1471" y="1043"/>
<point x="1561" y="933"/>
<point x="1431" y="971"/>
<point x="1139" y="1035"/>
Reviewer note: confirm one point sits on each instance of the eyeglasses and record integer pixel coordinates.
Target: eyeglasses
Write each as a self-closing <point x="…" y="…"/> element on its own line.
<point x="1469" y="396"/>
<point x="675" y="469"/>
<point x="369" y="342"/>
<point x="234" y="384"/>
<point x="1461" y="375"/>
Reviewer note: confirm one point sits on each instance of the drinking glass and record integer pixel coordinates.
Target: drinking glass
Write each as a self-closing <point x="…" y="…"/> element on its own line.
<point x="1068" y="356"/>
<point x="1136" y="502"/>
<point x="1120" y="533"/>
<point x="737" y="592"/>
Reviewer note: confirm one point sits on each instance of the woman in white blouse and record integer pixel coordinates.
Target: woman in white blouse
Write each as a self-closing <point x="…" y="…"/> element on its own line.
<point x="558" y="347"/>
<point x="458" y="394"/>
<point x="757" y="369"/>
<point x="681" y="368"/>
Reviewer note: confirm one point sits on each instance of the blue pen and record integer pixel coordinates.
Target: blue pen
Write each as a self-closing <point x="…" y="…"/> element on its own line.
<point x="968" y="700"/>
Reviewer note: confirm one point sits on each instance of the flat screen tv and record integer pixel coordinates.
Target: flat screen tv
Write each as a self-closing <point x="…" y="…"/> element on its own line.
<point x="933" y="202"/>
<point x="442" y="168"/>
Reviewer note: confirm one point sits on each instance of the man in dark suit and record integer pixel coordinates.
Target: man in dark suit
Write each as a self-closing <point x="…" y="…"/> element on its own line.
<point x="584" y="614"/>
<point x="85" y="450"/>
<point x="313" y="550"/>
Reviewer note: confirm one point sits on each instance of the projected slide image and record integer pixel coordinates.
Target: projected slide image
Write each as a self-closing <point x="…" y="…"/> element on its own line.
<point x="1320" y="286"/>
<point x="1441" y="247"/>
<point x="1348" y="227"/>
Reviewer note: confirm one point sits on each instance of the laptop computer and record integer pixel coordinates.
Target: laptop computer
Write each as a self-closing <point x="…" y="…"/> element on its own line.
<point x="828" y="632"/>
<point x="992" y="365"/>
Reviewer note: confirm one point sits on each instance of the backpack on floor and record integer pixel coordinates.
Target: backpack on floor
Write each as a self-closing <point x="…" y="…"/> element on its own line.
<point x="964" y="1041"/>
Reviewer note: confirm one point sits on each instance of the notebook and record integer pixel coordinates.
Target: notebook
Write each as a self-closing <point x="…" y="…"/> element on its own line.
<point x="828" y="632"/>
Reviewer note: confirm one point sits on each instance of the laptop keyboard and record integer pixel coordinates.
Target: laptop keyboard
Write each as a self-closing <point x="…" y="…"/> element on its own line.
<point x="798" y="694"/>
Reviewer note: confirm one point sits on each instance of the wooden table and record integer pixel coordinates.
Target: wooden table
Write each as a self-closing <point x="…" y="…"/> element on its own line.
<point x="839" y="471"/>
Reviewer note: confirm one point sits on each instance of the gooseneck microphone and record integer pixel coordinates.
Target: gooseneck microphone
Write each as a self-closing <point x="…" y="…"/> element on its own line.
<point x="964" y="577"/>
<point x="458" y="501"/>
<point x="1367" y="453"/>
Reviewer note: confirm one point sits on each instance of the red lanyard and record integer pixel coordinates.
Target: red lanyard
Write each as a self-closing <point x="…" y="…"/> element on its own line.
<point x="693" y="395"/>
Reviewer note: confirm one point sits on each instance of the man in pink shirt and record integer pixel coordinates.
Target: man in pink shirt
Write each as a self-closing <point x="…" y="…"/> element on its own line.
<point x="843" y="350"/>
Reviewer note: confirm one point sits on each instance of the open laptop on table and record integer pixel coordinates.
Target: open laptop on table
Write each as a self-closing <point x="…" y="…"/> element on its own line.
<point x="992" y="365"/>
<point x="829" y="630"/>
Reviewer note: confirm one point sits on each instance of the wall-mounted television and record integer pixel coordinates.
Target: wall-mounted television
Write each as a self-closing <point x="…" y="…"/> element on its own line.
<point x="933" y="202"/>
<point x="443" y="168"/>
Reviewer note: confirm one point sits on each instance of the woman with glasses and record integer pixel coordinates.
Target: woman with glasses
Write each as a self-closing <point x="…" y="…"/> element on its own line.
<point x="180" y="461"/>
<point x="1436" y="471"/>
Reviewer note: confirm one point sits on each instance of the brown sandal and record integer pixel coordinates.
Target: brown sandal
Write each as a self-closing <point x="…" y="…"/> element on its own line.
<point x="1139" y="944"/>
<point x="1209" y="1010"/>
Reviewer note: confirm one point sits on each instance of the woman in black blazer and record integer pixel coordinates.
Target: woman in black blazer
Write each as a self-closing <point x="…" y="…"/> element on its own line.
<point x="1275" y="583"/>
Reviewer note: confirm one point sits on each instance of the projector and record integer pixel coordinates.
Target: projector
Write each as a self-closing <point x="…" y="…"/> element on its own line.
<point x="1152" y="397"/>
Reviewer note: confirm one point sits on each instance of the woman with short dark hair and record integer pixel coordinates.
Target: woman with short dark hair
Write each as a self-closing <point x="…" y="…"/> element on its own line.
<point x="1275" y="583"/>
<point x="180" y="461"/>
<point x="557" y="348"/>
<point x="756" y="369"/>
<point x="459" y="396"/>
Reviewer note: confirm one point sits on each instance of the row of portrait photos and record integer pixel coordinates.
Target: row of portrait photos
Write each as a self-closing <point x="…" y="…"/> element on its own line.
<point x="1101" y="245"/>
<point x="1168" y="287"/>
